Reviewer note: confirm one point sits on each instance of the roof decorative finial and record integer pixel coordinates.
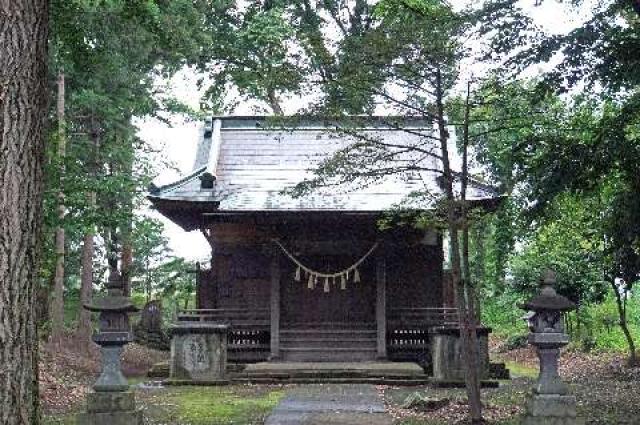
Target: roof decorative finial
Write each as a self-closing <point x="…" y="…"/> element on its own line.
<point x="208" y="127"/>
<point x="207" y="180"/>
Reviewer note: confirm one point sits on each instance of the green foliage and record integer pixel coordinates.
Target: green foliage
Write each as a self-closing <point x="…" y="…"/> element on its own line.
<point x="599" y="328"/>
<point x="603" y="51"/>
<point x="111" y="54"/>
<point x="156" y="271"/>
<point x="569" y="243"/>
<point x="502" y="314"/>
<point x="251" y="50"/>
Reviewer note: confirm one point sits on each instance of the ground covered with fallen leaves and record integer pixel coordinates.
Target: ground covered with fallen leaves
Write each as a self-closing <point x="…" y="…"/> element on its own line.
<point x="67" y="371"/>
<point x="68" y="368"/>
<point x="607" y="391"/>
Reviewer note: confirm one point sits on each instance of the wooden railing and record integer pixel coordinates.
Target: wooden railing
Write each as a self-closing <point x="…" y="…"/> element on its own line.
<point x="249" y="337"/>
<point x="249" y="334"/>
<point x="429" y="317"/>
<point x="408" y="331"/>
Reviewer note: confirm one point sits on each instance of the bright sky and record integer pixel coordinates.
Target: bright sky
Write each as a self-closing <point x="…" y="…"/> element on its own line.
<point x="178" y="142"/>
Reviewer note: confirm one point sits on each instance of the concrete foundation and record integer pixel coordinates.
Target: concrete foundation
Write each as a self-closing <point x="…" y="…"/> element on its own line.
<point x="111" y="408"/>
<point x="198" y="352"/>
<point x="446" y="354"/>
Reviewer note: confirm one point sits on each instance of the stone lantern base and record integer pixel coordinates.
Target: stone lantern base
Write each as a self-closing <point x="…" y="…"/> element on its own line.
<point x="551" y="409"/>
<point x="111" y="408"/>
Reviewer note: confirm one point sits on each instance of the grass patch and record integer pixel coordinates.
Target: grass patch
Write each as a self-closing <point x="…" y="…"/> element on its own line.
<point x="520" y="370"/>
<point x="197" y="405"/>
<point x="200" y="405"/>
<point x="67" y="419"/>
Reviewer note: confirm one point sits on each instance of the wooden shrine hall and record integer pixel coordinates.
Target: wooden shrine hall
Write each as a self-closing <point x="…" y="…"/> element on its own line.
<point x="310" y="278"/>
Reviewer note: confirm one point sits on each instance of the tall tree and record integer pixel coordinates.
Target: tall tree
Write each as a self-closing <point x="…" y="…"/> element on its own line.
<point x="413" y="67"/>
<point x="57" y="302"/>
<point x="23" y="110"/>
<point x="110" y="80"/>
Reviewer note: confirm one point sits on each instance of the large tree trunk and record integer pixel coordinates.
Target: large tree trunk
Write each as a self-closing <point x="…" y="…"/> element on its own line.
<point x="57" y="300"/>
<point x="468" y="336"/>
<point x="23" y="111"/>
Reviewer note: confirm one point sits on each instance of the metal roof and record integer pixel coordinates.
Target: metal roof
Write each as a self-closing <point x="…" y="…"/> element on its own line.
<point x="253" y="160"/>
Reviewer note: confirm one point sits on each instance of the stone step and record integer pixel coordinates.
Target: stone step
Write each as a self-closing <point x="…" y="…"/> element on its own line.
<point x="319" y="333"/>
<point x="328" y="354"/>
<point x="327" y="342"/>
<point x="399" y="381"/>
<point x="391" y="374"/>
<point x="329" y="325"/>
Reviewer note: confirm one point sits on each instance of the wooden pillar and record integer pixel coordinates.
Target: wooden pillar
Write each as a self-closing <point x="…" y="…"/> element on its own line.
<point x="275" y="306"/>
<point x="381" y="305"/>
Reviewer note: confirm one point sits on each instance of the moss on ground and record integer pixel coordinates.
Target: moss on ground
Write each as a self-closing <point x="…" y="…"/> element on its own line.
<point x="211" y="405"/>
<point x="59" y="419"/>
<point x="197" y="405"/>
<point x="521" y="370"/>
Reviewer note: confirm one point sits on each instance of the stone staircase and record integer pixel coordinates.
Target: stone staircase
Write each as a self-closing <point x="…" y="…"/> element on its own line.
<point x="328" y="342"/>
<point x="391" y="373"/>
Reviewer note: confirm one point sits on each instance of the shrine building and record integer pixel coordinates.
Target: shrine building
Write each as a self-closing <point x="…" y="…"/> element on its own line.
<point x="311" y="278"/>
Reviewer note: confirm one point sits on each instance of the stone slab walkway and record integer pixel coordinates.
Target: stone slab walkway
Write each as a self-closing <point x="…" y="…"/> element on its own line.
<point x="330" y="404"/>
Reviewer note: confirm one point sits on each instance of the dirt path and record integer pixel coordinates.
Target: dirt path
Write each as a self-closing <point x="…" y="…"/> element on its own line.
<point x="331" y="404"/>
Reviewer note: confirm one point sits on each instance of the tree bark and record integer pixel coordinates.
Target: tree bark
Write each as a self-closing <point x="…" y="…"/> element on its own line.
<point x="467" y="339"/>
<point x="88" y="248"/>
<point x="274" y="102"/>
<point x="126" y="255"/>
<point x="126" y="258"/>
<point x="472" y="318"/>
<point x="23" y="111"/>
<point x="57" y="300"/>
<point x="86" y="282"/>
<point x="479" y="273"/>
<point x="622" y="315"/>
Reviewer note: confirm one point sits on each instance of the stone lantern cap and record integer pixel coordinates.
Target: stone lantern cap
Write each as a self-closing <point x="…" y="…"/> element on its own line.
<point x="548" y="299"/>
<point x="109" y="303"/>
<point x="115" y="301"/>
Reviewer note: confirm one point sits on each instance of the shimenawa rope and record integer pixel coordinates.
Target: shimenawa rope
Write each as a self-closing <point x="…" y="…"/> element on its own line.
<point x="315" y="275"/>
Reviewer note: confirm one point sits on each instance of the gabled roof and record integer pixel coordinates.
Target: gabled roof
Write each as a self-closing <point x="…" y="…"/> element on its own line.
<point x="253" y="160"/>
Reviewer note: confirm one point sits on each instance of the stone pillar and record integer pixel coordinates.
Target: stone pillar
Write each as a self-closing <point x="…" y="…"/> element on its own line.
<point x="446" y="354"/>
<point x="274" y="307"/>
<point x="381" y="306"/>
<point x="549" y="402"/>
<point x="199" y="352"/>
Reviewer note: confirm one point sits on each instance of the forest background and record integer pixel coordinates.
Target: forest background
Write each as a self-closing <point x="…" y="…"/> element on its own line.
<point x="554" y="123"/>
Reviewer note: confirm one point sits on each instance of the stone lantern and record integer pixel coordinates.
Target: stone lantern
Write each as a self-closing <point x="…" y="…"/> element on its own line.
<point x="550" y="402"/>
<point x="112" y="403"/>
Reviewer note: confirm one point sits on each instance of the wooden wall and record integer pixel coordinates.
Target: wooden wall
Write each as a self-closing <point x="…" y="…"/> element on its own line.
<point x="242" y="254"/>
